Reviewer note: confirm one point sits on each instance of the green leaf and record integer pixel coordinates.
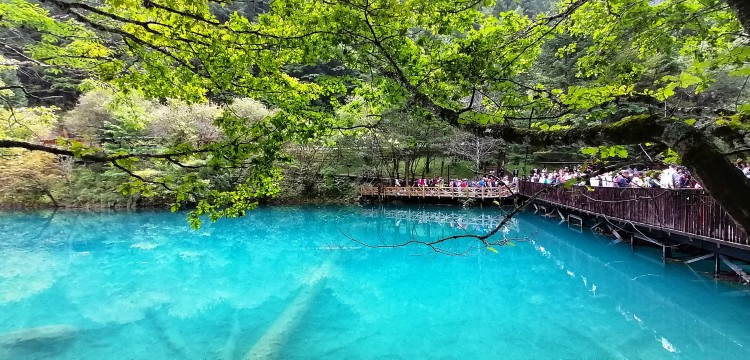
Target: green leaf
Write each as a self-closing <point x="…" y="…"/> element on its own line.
<point x="689" y="80"/>
<point x="569" y="183"/>
<point x="740" y="72"/>
<point x="589" y="151"/>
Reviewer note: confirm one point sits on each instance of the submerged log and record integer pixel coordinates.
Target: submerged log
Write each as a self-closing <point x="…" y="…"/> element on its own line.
<point x="47" y="334"/>
<point x="270" y="344"/>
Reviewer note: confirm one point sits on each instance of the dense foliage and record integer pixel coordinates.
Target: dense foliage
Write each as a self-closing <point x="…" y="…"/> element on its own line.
<point x="613" y="75"/>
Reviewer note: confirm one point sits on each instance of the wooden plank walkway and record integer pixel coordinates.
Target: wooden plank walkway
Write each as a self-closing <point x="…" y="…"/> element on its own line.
<point x="687" y="212"/>
<point x="437" y="192"/>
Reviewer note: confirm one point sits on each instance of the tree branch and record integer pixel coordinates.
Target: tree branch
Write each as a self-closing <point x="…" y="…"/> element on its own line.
<point x="98" y="157"/>
<point x="141" y="178"/>
<point x="741" y="8"/>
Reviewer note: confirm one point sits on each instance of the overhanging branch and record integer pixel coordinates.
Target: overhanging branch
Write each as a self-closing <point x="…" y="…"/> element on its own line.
<point x="97" y="157"/>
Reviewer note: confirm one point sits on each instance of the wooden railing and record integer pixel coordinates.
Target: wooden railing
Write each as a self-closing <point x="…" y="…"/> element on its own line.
<point x="437" y="192"/>
<point x="688" y="212"/>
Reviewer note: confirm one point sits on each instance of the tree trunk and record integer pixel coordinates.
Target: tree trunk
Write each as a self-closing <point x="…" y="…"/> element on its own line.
<point x="742" y="10"/>
<point x="413" y="168"/>
<point x="396" y="165"/>
<point x="52" y="198"/>
<point x="407" y="171"/>
<point x="718" y="176"/>
<point x="423" y="169"/>
<point x="500" y="161"/>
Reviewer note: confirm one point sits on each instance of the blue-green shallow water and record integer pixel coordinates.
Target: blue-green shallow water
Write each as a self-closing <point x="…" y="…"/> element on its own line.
<point x="143" y="286"/>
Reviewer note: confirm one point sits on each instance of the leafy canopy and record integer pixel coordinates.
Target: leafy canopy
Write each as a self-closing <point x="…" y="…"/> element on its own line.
<point x="451" y="60"/>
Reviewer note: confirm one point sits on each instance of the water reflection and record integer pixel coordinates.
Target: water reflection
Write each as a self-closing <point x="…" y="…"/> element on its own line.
<point x="479" y="222"/>
<point x="658" y="302"/>
<point x="143" y="285"/>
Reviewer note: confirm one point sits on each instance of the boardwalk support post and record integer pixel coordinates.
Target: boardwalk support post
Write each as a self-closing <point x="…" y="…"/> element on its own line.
<point x="717" y="265"/>
<point x="593" y="227"/>
<point x="617" y="235"/>
<point x="666" y="252"/>
<point x="738" y="270"/>
<point x="577" y="218"/>
<point x="699" y="258"/>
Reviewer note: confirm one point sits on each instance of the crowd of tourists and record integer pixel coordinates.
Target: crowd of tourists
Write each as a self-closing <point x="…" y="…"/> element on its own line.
<point x="490" y="180"/>
<point x="669" y="177"/>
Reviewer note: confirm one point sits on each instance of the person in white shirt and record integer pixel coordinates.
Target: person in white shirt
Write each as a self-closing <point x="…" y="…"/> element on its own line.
<point x="665" y="178"/>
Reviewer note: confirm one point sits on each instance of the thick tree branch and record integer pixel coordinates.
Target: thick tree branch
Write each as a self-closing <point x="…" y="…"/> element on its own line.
<point x="97" y="157"/>
<point x="719" y="177"/>
<point x="741" y="8"/>
<point x="27" y="93"/>
<point x="134" y="175"/>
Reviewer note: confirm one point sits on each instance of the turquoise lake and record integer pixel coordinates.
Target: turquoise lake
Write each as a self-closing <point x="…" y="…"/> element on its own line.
<point x="290" y="283"/>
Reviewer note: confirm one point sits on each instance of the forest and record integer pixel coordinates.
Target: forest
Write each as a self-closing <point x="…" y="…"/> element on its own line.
<point x="215" y="106"/>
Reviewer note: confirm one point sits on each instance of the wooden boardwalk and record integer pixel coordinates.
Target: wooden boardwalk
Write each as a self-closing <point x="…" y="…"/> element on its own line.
<point x="436" y="192"/>
<point x="688" y="212"/>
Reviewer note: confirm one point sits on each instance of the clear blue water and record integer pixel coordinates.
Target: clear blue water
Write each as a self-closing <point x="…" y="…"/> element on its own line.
<point x="287" y="283"/>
